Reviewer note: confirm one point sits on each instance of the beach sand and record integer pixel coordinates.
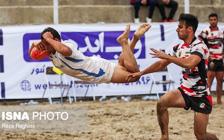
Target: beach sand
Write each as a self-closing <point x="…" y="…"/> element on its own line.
<point x="108" y="120"/>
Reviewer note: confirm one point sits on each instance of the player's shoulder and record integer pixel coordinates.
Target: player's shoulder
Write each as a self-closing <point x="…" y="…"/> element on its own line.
<point x="205" y="31"/>
<point x="68" y="43"/>
<point x="197" y="42"/>
<point x="175" y="47"/>
<point x="199" y="46"/>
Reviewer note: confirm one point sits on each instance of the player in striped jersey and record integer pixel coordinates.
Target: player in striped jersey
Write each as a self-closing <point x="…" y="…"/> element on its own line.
<point x="193" y="93"/>
<point x="214" y="39"/>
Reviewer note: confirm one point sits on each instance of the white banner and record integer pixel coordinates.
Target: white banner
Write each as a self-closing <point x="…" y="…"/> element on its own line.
<point x="22" y="78"/>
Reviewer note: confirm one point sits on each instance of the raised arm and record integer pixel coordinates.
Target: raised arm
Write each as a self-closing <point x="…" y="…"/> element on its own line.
<point x="57" y="45"/>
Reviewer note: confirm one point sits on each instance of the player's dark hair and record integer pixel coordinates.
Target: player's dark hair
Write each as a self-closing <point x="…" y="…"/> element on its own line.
<point x="213" y="15"/>
<point x="190" y="20"/>
<point x="52" y="31"/>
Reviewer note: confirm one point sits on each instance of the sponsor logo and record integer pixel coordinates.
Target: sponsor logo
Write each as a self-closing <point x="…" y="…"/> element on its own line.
<point x="202" y="105"/>
<point x="25" y="85"/>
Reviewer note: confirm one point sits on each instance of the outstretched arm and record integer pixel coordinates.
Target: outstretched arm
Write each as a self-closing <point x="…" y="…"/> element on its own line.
<point x="188" y="62"/>
<point x="57" y="45"/>
<point x="157" y="66"/>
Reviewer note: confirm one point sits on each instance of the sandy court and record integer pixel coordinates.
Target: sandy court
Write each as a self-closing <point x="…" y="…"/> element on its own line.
<point x="109" y="120"/>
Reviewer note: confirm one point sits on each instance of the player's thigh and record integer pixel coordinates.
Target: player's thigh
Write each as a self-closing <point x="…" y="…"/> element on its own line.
<point x="200" y="123"/>
<point x="121" y="59"/>
<point x="211" y="74"/>
<point x="172" y="98"/>
<point x="219" y="76"/>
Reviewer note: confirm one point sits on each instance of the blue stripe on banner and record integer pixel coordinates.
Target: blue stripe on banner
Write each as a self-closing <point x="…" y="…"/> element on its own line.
<point x="2" y="89"/>
<point x="164" y="85"/>
<point x="162" y="33"/>
<point x="1" y="64"/>
<point x="1" y="37"/>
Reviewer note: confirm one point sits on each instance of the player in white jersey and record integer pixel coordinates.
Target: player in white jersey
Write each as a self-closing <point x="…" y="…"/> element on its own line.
<point x="193" y="93"/>
<point x="214" y="39"/>
<point x="93" y="69"/>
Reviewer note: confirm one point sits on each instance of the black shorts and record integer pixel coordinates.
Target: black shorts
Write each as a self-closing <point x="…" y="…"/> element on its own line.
<point x="215" y="65"/>
<point x="198" y="104"/>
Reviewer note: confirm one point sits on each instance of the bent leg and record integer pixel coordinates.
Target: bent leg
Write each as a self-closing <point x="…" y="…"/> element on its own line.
<point x="127" y="58"/>
<point x="137" y="6"/>
<point x="173" y="5"/>
<point x="162" y="11"/>
<point x="151" y="8"/>
<point x="200" y="127"/>
<point x="170" y="99"/>
<point x="219" y="77"/>
<point x="142" y="29"/>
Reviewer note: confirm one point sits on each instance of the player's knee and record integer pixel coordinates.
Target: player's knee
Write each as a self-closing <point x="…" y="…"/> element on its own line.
<point x="199" y="136"/>
<point x="133" y="69"/>
<point x="160" y="106"/>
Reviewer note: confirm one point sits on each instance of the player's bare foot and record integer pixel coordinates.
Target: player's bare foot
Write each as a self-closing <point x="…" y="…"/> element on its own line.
<point x="123" y="38"/>
<point x="141" y="30"/>
<point x="163" y="137"/>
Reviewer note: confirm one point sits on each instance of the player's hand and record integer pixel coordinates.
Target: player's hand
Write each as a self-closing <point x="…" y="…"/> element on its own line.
<point x="40" y="45"/>
<point x="134" y="75"/>
<point x="47" y="35"/>
<point x="38" y="51"/>
<point x="158" y="54"/>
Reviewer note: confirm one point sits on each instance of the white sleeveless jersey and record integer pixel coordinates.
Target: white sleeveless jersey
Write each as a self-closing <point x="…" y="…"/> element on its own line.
<point x="90" y="69"/>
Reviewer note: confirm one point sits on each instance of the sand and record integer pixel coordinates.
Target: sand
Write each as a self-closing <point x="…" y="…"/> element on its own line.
<point x="108" y="120"/>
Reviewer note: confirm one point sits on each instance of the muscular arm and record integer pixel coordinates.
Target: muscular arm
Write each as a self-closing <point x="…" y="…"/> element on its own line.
<point x="59" y="47"/>
<point x="189" y="62"/>
<point x="157" y="66"/>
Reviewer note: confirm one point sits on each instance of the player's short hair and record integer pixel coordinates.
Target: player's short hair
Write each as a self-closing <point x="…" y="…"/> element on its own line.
<point x="52" y="31"/>
<point x="190" y="20"/>
<point x="213" y="15"/>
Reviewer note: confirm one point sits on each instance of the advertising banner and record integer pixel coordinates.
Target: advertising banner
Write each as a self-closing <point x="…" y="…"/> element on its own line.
<point x="23" y="78"/>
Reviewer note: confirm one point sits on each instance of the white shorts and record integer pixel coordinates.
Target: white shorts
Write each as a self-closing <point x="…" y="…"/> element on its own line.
<point x="107" y="66"/>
